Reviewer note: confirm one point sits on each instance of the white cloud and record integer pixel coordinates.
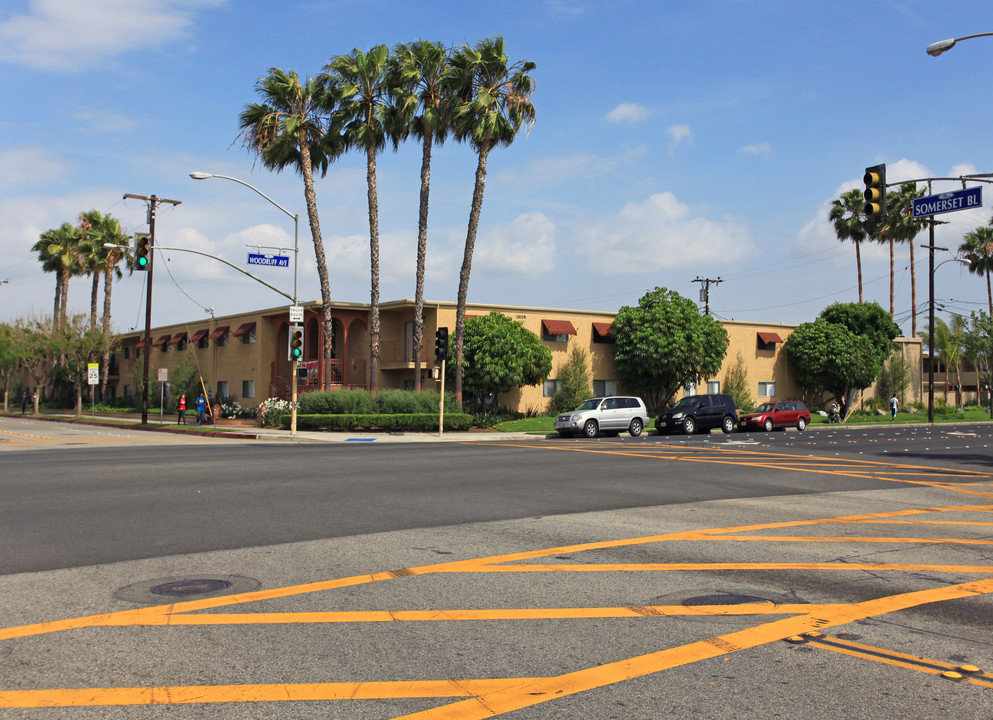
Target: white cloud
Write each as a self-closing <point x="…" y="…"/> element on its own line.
<point x="105" y="121"/>
<point x="678" y="134"/>
<point x="524" y="247"/>
<point x="628" y="112"/>
<point x="762" y="148"/>
<point x="68" y="35"/>
<point x="660" y="233"/>
<point x="30" y="164"/>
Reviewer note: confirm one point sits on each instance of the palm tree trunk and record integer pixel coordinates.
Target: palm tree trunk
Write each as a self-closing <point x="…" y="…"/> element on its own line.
<point x="322" y="265"/>
<point x="989" y="293"/>
<point x="422" y="245"/>
<point x="892" y="289"/>
<point x="108" y="286"/>
<point x="470" y="246"/>
<point x="58" y="299"/>
<point x="913" y="292"/>
<point x="65" y="298"/>
<point x="374" y="269"/>
<point x="94" y="292"/>
<point x="858" y="264"/>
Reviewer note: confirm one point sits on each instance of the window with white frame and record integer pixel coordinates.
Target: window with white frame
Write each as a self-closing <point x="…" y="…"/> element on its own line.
<point x="248" y="388"/>
<point x="549" y="388"/>
<point x="689" y="389"/>
<point x="222" y="389"/>
<point x="767" y="389"/>
<point x="602" y="388"/>
<point x="713" y="387"/>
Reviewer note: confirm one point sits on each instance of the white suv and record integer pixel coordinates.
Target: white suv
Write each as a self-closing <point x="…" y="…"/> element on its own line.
<point x="610" y="415"/>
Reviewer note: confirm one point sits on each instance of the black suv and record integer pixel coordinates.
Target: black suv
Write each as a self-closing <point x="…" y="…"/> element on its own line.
<point x="699" y="412"/>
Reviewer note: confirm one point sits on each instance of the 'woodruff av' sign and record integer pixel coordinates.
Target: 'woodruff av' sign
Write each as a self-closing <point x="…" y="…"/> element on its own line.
<point x="272" y="260"/>
<point x="968" y="199"/>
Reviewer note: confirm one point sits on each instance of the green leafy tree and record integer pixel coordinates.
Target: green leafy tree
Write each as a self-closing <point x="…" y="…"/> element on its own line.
<point x="827" y="357"/>
<point x="736" y="385"/>
<point x="949" y="349"/>
<point x="493" y="102"/>
<point x="34" y="348"/>
<point x="846" y="215"/>
<point x="895" y="378"/>
<point x="8" y="359"/>
<point x="665" y="343"/>
<point x="423" y="109"/>
<point x="574" y="382"/>
<point x="77" y="344"/>
<point x="501" y="354"/>
<point x="291" y="127"/>
<point x="360" y="82"/>
<point x="868" y="320"/>
<point x="978" y="342"/>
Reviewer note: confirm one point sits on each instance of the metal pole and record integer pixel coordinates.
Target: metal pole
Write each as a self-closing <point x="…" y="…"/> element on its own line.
<point x="294" y="364"/>
<point x="148" y="310"/>
<point x="930" y="313"/>
<point x="441" y="403"/>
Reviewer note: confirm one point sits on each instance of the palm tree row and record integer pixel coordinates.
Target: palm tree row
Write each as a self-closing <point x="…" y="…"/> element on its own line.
<point x="78" y="250"/>
<point x="977" y="250"/>
<point x="363" y="100"/>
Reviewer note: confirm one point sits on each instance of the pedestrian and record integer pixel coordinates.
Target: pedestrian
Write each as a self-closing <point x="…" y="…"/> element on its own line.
<point x="201" y="405"/>
<point x="181" y="407"/>
<point x="844" y="407"/>
<point x="894" y="404"/>
<point x="24" y="401"/>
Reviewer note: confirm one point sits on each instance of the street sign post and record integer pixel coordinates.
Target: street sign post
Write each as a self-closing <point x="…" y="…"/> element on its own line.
<point x="93" y="378"/>
<point x="296" y="313"/>
<point x="967" y="199"/>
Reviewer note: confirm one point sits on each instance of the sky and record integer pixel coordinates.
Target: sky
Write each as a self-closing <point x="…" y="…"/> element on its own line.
<point x="672" y="141"/>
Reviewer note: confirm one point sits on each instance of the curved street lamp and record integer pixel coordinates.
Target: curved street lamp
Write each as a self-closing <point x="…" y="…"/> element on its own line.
<point x="935" y="49"/>
<point x="198" y="175"/>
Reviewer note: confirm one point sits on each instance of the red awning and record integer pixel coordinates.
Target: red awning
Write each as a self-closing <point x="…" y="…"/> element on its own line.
<point x="769" y="337"/>
<point x="558" y="327"/>
<point x="161" y="341"/>
<point x="139" y="345"/>
<point x="198" y="336"/>
<point x="603" y="329"/>
<point x="176" y="339"/>
<point x="219" y="332"/>
<point x="246" y="328"/>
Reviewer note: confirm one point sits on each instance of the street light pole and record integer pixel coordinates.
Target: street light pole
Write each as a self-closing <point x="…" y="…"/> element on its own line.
<point x="198" y="175"/>
<point x="935" y="49"/>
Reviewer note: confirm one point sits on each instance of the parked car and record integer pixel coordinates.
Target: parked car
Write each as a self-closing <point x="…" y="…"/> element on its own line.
<point x="611" y="415"/>
<point x="699" y="412"/>
<point x="771" y="415"/>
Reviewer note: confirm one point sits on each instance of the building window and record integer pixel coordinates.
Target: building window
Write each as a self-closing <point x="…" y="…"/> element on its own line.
<point x="127" y="352"/>
<point x="248" y="388"/>
<point x="246" y="332"/>
<point x="689" y="389"/>
<point x="127" y="391"/>
<point x="556" y="330"/>
<point x="713" y="387"/>
<point x="602" y="388"/>
<point x="602" y="333"/>
<point x="549" y="387"/>
<point x="222" y="389"/>
<point x="767" y="389"/>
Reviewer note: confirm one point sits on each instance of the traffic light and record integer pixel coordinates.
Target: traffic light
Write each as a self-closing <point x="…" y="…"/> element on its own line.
<point x="296" y="342"/>
<point x="142" y="251"/>
<point x="875" y="193"/>
<point x="441" y="343"/>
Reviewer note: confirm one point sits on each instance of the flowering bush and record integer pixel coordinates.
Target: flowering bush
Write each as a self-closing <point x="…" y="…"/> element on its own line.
<point x="237" y="410"/>
<point x="270" y="412"/>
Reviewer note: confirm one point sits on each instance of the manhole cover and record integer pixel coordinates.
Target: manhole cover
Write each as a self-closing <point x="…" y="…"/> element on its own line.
<point x="728" y="599"/>
<point x="190" y="587"/>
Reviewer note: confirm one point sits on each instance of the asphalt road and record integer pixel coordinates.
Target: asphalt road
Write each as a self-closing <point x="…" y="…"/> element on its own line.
<point x="617" y="578"/>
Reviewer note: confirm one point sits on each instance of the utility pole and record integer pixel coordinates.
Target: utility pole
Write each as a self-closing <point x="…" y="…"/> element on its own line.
<point x="153" y="203"/>
<point x="705" y="284"/>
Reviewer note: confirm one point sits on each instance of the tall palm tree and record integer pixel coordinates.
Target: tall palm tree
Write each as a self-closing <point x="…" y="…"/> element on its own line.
<point x="363" y="93"/>
<point x="493" y="103"/>
<point x="949" y="347"/>
<point x="58" y="252"/>
<point x="291" y="127"/>
<point x="847" y="216"/>
<point x="424" y="110"/>
<point x="903" y="227"/>
<point x="93" y="256"/>
<point x="977" y="249"/>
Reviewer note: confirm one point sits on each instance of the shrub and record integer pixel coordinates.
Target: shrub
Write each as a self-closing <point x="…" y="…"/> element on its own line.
<point x="418" y="422"/>
<point x="336" y="402"/>
<point x="272" y="410"/>
<point x="736" y="385"/>
<point x="573" y="383"/>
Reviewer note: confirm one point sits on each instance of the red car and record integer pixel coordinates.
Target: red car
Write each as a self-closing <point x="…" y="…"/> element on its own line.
<point x="776" y="415"/>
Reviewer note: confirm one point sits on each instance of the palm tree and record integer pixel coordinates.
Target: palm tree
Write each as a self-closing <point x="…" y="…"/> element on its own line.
<point x="847" y="216"/>
<point x="977" y="249"/>
<point x="362" y="90"/>
<point x="901" y="226"/>
<point x="424" y="110"/>
<point x="58" y="252"/>
<point x="949" y="347"/>
<point x="93" y="255"/>
<point x="493" y="102"/>
<point x="291" y="127"/>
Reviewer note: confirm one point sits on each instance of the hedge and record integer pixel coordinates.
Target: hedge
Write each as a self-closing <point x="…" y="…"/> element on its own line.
<point x="418" y="422"/>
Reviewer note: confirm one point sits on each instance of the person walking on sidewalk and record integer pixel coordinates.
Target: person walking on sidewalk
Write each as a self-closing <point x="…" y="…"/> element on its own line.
<point x="181" y="408"/>
<point x="24" y="401"/>
<point x="894" y="404"/>
<point x="201" y="406"/>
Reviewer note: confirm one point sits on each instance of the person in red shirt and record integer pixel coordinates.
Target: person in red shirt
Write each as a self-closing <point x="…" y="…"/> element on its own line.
<point x="182" y="410"/>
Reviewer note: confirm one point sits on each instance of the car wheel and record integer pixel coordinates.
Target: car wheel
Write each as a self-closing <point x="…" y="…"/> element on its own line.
<point x="689" y="426"/>
<point x="636" y="427"/>
<point x="801" y="424"/>
<point x="591" y="429"/>
<point x="768" y="425"/>
<point x="727" y="425"/>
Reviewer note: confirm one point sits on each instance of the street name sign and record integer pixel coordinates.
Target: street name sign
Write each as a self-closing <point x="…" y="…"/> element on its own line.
<point x="967" y="199"/>
<point x="268" y="260"/>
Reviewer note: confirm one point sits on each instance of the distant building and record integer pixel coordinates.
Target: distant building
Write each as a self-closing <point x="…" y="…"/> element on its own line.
<point x="245" y="355"/>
